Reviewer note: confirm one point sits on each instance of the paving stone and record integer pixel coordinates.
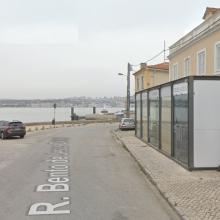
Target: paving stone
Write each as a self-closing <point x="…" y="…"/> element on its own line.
<point x="195" y="195"/>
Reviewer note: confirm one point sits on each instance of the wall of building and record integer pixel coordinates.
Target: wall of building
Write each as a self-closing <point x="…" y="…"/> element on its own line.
<point x="158" y="77"/>
<point x="151" y="78"/>
<point x="207" y="43"/>
<point x="138" y="76"/>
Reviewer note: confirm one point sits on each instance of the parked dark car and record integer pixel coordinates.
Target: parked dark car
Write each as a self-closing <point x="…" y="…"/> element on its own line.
<point x="127" y="124"/>
<point x="12" y="129"/>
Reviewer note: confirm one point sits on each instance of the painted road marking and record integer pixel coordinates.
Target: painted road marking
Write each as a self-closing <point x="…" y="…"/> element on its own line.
<point x="58" y="178"/>
<point x="49" y="209"/>
<point x="53" y="188"/>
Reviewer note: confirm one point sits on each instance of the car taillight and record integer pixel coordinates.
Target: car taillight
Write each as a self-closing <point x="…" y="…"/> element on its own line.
<point x="8" y="130"/>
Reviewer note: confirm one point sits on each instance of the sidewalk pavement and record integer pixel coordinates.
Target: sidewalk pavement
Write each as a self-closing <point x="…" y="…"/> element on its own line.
<point x="194" y="195"/>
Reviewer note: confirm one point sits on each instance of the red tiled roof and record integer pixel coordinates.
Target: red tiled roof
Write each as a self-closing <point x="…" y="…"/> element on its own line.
<point x="160" y="66"/>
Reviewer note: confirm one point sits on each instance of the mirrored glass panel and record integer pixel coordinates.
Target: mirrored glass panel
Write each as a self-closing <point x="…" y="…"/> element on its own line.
<point x="154" y="117"/>
<point x="144" y="116"/>
<point x="138" y="115"/>
<point x="180" y="92"/>
<point x="166" y="119"/>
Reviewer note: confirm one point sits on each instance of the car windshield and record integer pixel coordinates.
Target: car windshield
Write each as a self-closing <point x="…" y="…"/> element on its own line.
<point x="128" y="120"/>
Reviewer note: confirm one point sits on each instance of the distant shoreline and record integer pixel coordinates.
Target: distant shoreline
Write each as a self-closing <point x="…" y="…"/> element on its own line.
<point x="99" y="107"/>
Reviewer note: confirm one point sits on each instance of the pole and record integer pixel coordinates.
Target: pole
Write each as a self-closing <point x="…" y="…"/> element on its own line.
<point x="164" y="51"/>
<point x="72" y="113"/>
<point x="128" y="91"/>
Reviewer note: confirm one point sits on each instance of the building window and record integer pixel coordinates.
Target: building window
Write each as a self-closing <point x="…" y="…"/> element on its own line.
<point x="138" y="84"/>
<point x="175" y="71"/>
<point x="187" y="66"/>
<point x="201" y="62"/>
<point x="142" y="82"/>
<point x="217" y="57"/>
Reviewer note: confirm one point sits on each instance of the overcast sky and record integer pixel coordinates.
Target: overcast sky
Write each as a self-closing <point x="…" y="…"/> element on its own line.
<point x="56" y="49"/>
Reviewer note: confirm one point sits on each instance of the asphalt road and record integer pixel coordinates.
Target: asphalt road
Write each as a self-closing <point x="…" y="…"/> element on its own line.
<point x="77" y="173"/>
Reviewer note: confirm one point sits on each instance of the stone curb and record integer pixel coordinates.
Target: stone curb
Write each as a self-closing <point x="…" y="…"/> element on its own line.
<point x="146" y="173"/>
<point x="33" y="127"/>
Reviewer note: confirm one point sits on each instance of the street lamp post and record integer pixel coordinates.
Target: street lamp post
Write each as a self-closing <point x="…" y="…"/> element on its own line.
<point x="128" y="89"/>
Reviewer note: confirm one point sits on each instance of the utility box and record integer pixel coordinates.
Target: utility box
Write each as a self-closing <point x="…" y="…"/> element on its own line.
<point x="181" y="119"/>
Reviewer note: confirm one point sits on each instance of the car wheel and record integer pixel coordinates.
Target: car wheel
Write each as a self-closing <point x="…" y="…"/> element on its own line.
<point x="22" y="136"/>
<point x="2" y="135"/>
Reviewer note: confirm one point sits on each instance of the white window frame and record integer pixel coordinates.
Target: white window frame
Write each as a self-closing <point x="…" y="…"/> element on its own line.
<point x="142" y="82"/>
<point x="175" y="75"/>
<point x="138" y="83"/>
<point x="201" y="51"/>
<point x="217" y="71"/>
<point x="170" y="71"/>
<point x="189" y="67"/>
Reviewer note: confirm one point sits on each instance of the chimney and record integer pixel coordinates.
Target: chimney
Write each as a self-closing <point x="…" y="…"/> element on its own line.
<point x="143" y="65"/>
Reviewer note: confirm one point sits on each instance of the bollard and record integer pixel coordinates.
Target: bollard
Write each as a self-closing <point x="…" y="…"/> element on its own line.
<point x="72" y="113"/>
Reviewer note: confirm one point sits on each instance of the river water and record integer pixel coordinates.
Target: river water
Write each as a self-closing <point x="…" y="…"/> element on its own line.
<point x="46" y="114"/>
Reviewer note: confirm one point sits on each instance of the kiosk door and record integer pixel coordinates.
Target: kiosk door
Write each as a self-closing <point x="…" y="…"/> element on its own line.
<point x="181" y="122"/>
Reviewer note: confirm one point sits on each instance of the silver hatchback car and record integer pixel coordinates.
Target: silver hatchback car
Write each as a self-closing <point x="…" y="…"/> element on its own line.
<point x="127" y="124"/>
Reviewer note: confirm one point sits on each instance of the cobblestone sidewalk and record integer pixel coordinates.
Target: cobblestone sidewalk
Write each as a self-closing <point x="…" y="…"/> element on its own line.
<point x="195" y="195"/>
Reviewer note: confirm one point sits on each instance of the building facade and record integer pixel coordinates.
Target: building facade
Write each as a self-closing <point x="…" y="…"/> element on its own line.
<point x="198" y="52"/>
<point x="151" y="75"/>
<point x="181" y="118"/>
